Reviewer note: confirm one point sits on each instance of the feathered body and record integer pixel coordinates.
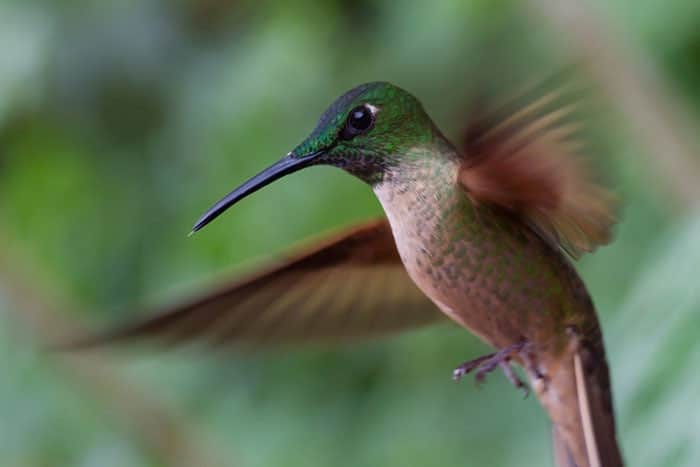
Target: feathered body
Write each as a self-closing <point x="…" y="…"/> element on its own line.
<point x="478" y="263"/>
<point x="495" y="276"/>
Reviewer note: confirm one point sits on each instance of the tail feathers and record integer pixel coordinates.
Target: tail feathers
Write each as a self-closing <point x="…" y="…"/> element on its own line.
<point x="579" y="403"/>
<point x="562" y="454"/>
<point x="596" y="411"/>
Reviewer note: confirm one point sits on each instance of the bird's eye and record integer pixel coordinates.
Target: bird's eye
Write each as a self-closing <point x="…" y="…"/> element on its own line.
<point x="360" y="120"/>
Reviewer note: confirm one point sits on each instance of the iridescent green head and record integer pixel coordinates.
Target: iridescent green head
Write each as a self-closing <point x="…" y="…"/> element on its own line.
<point x="367" y="131"/>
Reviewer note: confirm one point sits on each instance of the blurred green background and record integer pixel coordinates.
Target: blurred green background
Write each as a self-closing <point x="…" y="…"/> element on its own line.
<point x="120" y="122"/>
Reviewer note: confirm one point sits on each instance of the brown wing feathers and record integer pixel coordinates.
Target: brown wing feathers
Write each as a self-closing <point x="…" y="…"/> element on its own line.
<point x="351" y="285"/>
<point x="526" y="160"/>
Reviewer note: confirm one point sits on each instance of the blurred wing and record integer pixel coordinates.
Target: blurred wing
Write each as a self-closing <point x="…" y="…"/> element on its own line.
<point x="526" y="161"/>
<point x="353" y="285"/>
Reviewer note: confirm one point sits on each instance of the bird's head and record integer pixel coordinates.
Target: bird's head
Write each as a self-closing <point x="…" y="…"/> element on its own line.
<point x="367" y="132"/>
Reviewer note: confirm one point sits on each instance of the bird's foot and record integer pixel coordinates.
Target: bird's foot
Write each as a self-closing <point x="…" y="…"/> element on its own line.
<point x="484" y="365"/>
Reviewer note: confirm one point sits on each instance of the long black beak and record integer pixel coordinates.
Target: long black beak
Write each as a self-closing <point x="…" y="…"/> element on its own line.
<point x="279" y="169"/>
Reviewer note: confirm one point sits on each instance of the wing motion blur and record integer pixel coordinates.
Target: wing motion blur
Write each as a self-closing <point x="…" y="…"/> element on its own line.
<point x="351" y="286"/>
<point x="525" y="159"/>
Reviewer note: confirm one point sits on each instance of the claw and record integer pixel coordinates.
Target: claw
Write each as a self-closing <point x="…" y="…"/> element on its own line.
<point x="467" y="367"/>
<point x="484" y="365"/>
<point x="513" y="378"/>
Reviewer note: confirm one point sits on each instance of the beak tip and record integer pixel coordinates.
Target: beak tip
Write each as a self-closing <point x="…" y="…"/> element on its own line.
<point x="197" y="226"/>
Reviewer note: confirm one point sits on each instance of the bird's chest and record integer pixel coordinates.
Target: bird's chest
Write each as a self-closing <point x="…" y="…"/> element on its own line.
<point x="470" y="264"/>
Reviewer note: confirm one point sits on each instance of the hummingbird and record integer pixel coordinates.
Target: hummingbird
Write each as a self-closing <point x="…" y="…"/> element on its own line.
<point x="481" y="233"/>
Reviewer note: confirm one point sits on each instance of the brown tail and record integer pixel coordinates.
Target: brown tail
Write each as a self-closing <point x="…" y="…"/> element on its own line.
<point x="579" y="403"/>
